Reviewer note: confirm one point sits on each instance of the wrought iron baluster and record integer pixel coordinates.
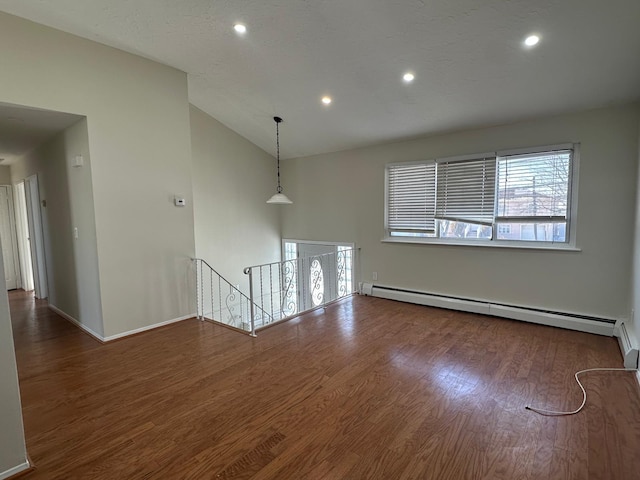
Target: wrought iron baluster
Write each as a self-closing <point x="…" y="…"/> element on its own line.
<point x="317" y="279"/>
<point x="271" y="289"/>
<point x="252" y="305"/>
<point x="261" y="291"/>
<point x="341" y="274"/>
<point x="197" y="290"/>
<point x="219" y="300"/>
<point x="305" y="286"/>
<point x="229" y="302"/>
<point x="280" y="286"/>
<point x="242" y="322"/>
<point x="201" y="291"/>
<point x="288" y="306"/>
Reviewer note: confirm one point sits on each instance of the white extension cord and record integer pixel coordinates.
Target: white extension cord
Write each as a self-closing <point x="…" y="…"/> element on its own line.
<point x="542" y="411"/>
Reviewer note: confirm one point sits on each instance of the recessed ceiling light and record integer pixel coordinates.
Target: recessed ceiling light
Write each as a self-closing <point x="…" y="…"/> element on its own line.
<point x="531" y="40"/>
<point x="240" y="28"/>
<point x="408" y="77"/>
<point x="326" y="100"/>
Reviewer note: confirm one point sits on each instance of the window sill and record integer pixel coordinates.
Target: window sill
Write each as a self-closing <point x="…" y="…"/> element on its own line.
<point x="564" y="247"/>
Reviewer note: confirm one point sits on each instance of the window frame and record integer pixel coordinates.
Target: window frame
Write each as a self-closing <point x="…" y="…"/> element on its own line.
<point x="572" y="209"/>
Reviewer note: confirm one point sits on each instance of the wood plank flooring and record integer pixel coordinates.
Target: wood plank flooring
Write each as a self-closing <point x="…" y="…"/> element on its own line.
<point x="368" y="389"/>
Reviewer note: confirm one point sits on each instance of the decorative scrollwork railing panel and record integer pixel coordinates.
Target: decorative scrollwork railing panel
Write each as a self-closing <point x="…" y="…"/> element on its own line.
<point x="285" y="289"/>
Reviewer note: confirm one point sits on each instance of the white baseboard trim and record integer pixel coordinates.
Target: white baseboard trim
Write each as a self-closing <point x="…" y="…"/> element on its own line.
<point x="148" y="327"/>
<point x="15" y="470"/>
<point x="77" y="323"/>
<point x="568" y="321"/>
<point x="103" y="339"/>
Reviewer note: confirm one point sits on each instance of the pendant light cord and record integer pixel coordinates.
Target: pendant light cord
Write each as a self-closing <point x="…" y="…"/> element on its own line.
<point x="278" y="120"/>
<point x="279" y="197"/>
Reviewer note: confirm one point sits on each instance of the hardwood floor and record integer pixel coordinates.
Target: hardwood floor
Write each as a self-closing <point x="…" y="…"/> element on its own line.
<point x="369" y="389"/>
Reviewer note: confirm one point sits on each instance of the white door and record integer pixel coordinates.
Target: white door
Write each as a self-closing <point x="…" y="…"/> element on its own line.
<point x="8" y="238"/>
<point x="317" y="274"/>
<point x="22" y="232"/>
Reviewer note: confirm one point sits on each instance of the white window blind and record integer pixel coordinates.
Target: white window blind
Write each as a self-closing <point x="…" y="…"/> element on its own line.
<point x="466" y="190"/>
<point x="411" y="197"/>
<point x="534" y="186"/>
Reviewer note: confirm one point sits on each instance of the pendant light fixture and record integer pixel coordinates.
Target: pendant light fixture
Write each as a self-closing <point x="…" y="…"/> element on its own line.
<point x="278" y="198"/>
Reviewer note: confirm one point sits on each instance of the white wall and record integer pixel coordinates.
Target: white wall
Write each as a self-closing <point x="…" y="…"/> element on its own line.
<point x="138" y="126"/>
<point x="5" y="175"/>
<point x="12" y="445"/>
<point x="72" y="267"/>
<point x="340" y="197"/>
<point x="635" y="282"/>
<point x="232" y="180"/>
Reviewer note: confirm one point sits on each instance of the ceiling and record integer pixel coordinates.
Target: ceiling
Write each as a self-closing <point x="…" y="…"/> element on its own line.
<point x="471" y="68"/>
<point x="22" y="129"/>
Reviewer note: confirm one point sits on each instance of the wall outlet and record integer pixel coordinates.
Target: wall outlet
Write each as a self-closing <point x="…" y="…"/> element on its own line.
<point x="374" y="276"/>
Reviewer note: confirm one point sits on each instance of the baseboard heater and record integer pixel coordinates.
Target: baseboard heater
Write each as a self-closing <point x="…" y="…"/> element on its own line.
<point x="628" y="346"/>
<point x="583" y="323"/>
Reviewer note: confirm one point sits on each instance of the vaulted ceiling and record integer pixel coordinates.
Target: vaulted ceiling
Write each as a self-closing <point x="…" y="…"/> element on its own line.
<point x="470" y="64"/>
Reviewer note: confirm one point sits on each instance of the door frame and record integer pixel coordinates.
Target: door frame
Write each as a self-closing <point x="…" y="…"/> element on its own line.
<point x="36" y="235"/>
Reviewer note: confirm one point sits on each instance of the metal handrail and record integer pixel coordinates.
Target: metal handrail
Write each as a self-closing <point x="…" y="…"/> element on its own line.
<point x="308" y="256"/>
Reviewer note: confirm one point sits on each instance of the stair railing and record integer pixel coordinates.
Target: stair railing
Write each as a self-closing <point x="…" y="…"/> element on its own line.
<point x="283" y="290"/>
<point x="218" y="301"/>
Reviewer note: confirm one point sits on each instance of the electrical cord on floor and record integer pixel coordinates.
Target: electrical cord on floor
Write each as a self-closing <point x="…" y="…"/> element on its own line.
<point x="543" y="411"/>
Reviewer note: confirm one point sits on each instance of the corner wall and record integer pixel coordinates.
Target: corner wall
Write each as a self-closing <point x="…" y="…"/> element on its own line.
<point x="340" y="197"/>
<point x="232" y="180"/>
<point x="635" y="281"/>
<point x="138" y="127"/>
<point x="72" y="267"/>
<point x="13" y="454"/>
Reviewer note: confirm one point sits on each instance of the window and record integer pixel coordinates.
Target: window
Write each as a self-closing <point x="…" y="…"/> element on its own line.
<point x="504" y="229"/>
<point x="533" y="195"/>
<point x="411" y="199"/>
<point x="511" y="196"/>
<point x="465" y="198"/>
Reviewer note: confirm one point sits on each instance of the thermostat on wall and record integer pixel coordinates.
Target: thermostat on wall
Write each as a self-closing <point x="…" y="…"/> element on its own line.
<point x="180" y="202"/>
